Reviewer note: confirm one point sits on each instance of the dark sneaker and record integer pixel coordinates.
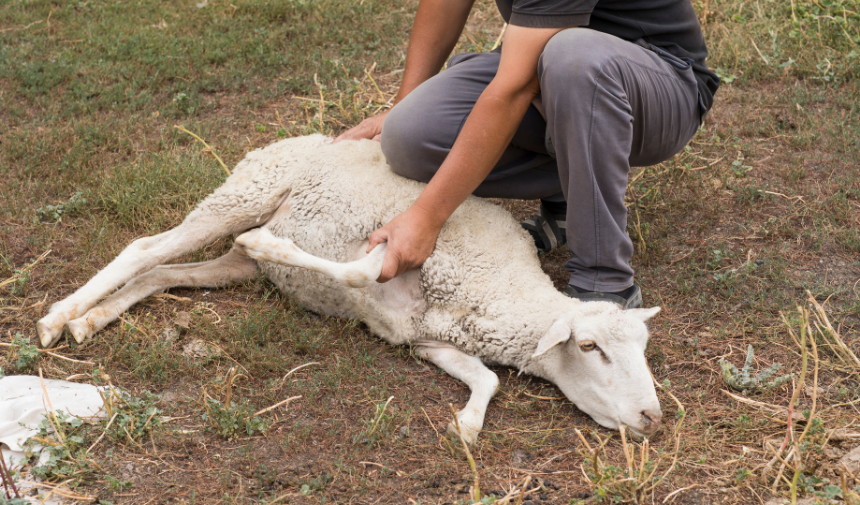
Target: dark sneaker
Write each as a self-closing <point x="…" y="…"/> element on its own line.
<point x="548" y="228"/>
<point x="630" y="298"/>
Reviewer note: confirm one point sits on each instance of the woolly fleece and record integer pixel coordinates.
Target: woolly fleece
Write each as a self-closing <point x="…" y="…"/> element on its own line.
<point x="482" y="289"/>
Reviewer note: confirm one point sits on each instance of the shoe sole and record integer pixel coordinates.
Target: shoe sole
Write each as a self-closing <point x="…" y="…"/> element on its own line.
<point x="635" y="300"/>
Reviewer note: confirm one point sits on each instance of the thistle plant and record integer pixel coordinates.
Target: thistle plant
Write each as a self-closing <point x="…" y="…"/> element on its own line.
<point x="743" y="381"/>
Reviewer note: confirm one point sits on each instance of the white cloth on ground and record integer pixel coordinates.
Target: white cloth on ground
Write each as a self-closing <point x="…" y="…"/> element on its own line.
<point x="22" y="408"/>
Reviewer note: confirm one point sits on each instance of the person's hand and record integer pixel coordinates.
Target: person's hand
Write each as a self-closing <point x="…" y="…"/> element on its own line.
<point x="370" y="128"/>
<point x="411" y="238"/>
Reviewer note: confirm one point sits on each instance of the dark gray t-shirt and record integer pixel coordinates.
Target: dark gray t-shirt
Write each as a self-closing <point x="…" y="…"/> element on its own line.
<point x="668" y="24"/>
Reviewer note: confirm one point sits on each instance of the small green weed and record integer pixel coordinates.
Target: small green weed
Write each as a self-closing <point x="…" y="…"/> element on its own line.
<point x="748" y="194"/>
<point x="23" y="353"/>
<point x="229" y="420"/>
<point x="55" y="213"/>
<point x="21" y="276"/>
<point x="744" y="382"/>
<point x="376" y="426"/>
<point x="68" y="440"/>
<point x="716" y="258"/>
<point x="316" y="484"/>
<point x="739" y="169"/>
<point x="186" y="104"/>
<point x="131" y="418"/>
<point x="726" y="77"/>
<point x="64" y="440"/>
<point x="19" y="286"/>
<point x="13" y="501"/>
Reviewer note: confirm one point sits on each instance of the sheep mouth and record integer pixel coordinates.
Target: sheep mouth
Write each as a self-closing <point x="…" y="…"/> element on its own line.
<point x="635" y="434"/>
<point x="639" y="435"/>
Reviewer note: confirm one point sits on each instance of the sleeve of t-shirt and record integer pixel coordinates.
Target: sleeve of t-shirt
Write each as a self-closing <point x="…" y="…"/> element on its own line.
<point x="550" y="13"/>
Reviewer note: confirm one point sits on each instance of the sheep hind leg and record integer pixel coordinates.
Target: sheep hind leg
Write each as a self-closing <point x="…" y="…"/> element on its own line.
<point x="481" y="381"/>
<point x="217" y="273"/>
<point x="261" y="245"/>
<point x="201" y="227"/>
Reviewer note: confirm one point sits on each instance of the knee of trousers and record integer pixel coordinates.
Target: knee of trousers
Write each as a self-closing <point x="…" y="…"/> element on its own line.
<point x="406" y="146"/>
<point x="573" y="58"/>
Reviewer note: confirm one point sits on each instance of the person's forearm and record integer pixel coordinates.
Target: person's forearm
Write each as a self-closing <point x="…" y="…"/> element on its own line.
<point x="435" y="31"/>
<point x="485" y="135"/>
<point x="490" y="127"/>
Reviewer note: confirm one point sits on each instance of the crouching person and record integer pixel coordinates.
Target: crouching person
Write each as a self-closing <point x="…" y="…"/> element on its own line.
<point x="578" y="93"/>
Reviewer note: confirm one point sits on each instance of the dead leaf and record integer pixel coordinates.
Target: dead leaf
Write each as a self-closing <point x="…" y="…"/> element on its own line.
<point x="183" y="319"/>
<point x="199" y="349"/>
<point x="851" y="461"/>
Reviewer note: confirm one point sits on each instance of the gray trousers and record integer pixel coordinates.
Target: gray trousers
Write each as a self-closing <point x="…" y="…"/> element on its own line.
<point x="609" y="104"/>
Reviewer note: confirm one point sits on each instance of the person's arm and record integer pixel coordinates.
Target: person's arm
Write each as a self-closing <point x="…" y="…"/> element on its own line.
<point x="435" y="31"/>
<point x="411" y="236"/>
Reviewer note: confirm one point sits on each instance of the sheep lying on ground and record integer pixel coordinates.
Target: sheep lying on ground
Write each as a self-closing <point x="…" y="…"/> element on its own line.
<point x="481" y="298"/>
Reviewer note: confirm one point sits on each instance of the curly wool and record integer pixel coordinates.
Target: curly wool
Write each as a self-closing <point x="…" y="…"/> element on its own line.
<point x="482" y="289"/>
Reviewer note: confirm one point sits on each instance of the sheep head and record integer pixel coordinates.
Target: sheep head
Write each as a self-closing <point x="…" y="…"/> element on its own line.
<point x="596" y="356"/>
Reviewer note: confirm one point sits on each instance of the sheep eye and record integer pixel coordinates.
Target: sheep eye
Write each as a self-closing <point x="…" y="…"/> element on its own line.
<point x="587" y="345"/>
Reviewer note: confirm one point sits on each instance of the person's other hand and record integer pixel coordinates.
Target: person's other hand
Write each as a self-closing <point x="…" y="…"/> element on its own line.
<point x="370" y="128"/>
<point x="411" y="238"/>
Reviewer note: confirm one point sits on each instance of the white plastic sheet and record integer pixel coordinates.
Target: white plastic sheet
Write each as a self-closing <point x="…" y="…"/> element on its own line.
<point x="23" y="406"/>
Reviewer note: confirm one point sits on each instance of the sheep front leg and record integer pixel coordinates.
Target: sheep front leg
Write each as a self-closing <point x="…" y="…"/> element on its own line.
<point x="472" y="371"/>
<point x="261" y="245"/>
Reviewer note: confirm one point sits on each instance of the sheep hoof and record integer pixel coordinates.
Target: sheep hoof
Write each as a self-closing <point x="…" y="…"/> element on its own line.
<point x="244" y="244"/>
<point x="49" y="331"/>
<point x="469" y="435"/>
<point x="261" y="244"/>
<point x="80" y="329"/>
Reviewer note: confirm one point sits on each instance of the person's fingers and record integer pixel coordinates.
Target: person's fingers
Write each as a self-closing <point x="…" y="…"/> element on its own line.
<point x="350" y="134"/>
<point x="340" y="137"/>
<point x="390" y="267"/>
<point x="378" y="137"/>
<point x="376" y="238"/>
<point x="370" y="128"/>
<point x="354" y="133"/>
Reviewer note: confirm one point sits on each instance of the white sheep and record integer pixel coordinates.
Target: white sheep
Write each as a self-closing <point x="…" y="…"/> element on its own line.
<point x="481" y="298"/>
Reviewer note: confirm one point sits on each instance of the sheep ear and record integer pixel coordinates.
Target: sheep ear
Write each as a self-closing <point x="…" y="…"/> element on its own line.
<point x="643" y="314"/>
<point x="558" y="333"/>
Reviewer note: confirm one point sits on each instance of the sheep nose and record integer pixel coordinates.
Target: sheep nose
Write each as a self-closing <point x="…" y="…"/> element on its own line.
<point x="651" y="420"/>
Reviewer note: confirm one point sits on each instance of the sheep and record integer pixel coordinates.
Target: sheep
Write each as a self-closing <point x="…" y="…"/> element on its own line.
<point x="303" y="208"/>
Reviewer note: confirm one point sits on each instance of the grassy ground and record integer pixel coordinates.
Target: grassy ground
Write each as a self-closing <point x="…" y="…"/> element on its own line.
<point x="762" y="207"/>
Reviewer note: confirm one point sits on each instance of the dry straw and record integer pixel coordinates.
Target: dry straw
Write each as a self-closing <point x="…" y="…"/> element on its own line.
<point x="475" y="490"/>
<point x="207" y="148"/>
<point x="21" y="273"/>
<point x="640" y="477"/>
